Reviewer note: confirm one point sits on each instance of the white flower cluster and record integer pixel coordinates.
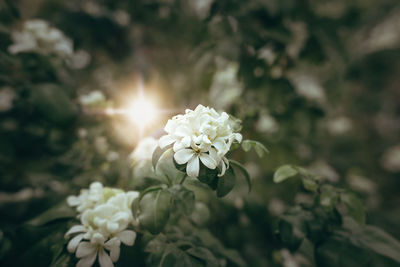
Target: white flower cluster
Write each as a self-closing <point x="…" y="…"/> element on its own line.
<point x="37" y="36"/>
<point x="202" y="135"/>
<point x="105" y="214"/>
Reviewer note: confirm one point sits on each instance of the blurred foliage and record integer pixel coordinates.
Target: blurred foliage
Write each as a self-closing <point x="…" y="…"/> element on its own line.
<point x="315" y="81"/>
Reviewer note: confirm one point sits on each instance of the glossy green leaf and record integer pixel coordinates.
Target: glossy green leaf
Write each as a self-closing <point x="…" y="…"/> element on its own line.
<point x="284" y="172"/>
<point x="260" y="149"/>
<point x="242" y="169"/>
<point x="156" y="155"/>
<point x="310" y="184"/>
<point x="166" y="168"/>
<point x="226" y="183"/>
<point x="154" y="210"/>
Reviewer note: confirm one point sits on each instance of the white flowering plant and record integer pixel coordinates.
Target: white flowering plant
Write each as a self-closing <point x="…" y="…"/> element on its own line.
<point x="199" y="142"/>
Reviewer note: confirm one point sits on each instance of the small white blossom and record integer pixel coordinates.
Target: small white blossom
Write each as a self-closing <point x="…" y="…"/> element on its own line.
<point x="202" y="135"/>
<point x="92" y="99"/>
<point x="7" y="97"/>
<point x="144" y="150"/>
<point x="38" y="36"/>
<point x="105" y="215"/>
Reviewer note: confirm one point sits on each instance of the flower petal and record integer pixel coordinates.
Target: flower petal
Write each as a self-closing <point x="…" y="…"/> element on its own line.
<point x="74" y="242"/>
<point x="127" y="237"/>
<point x="73" y="201"/>
<point x="113" y="245"/>
<point x="183" y="156"/>
<point x="87" y="261"/>
<point x="193" y="167"/>
<point x="85" y="249"/>
<point x="104" y="259"/>
<point x="166" y="140"/>
<point x="208" y="161"/>
<point x="224" y="166"/>
<point x="178" y="145"/>
<point x="75" y="229"/>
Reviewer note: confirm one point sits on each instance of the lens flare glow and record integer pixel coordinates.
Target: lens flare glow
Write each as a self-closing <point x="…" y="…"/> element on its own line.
<point x="142" y="111"/>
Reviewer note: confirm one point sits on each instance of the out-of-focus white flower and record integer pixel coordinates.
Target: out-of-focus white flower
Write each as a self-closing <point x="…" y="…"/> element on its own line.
<point x="144" y="149"/>
<point x="7" y="97"/>
<point x="225" y="88"/>
<point x="391" y="159"/>
<point x="112" y="156"/>
<point x="361" y="184"/>
<point x="202" y="135"/>
<point x="339" y="125"/>
<point x="142" y="158"/>
<point x="300" y="35"/>
<point x="324" y="170"/>
<point x="88" y="198"/>
<point x="121" y="17"/>
<point x="93" y="98"/>
<point x="105" y="216"/>
<point x="307" y="86"/>
<point x="267" y="54"/>
<point x="201" y="7"/>
<point x="38" y="36"/>
<point x="79" y="60"/>
<point x="266" y="123"/>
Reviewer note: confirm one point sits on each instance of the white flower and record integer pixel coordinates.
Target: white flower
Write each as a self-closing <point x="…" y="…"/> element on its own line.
<point x="111" y="217"/>
<point x="105" y="215"/>
<point x="87" y="198"/>
<point x="88" y="251"/>
<point x="202" y="135"/>
<point x="192" y="157"/>
<point x="37" y="36"/>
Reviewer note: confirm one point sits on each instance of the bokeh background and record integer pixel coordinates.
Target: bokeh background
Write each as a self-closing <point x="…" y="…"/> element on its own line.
<point x="317" y="82"/>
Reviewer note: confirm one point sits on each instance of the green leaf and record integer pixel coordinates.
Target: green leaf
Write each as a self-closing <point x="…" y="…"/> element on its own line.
<point x="243" y="170"/>
<point x="328" y="197"/>
<point x="218" y="248"/>
<point x="150" y="189"/>
<point x="226" y="183"/>
<point x="355" y="207"/>
<point x="203" y="254"/>
<point x="156" y="155"/>
<point x="166" y="168"/>
<point x="61" y="211"/>
<point x="284" y="172"/>
<point x="293" y="226"/>
<point x="154" y="210"/>
<point x="63" y="260"/>
<point x="258" y="147"/>
<point x="201" y="214"/>
<point x="358" y="246"/>
<point x="183" y="199"/>
<point x="310" y="184"/>
<point x="208" y="176"/>
<point x="53" y="103"/>
<point x="372" y="238"/>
